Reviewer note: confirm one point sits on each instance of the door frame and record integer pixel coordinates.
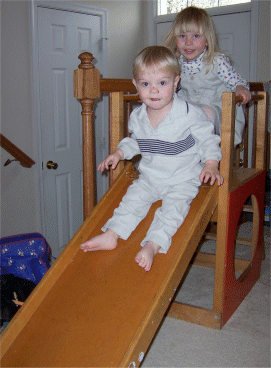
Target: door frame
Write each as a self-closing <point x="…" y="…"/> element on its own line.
<point x="35" y="97"/>
<point x="252" y="7"/>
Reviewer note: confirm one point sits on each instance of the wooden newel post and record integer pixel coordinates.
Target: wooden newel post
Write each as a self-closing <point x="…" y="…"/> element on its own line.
<point x="86" y="81"/>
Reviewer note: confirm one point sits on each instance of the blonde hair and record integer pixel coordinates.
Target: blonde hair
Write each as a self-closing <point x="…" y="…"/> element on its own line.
<point x="192" y="19"/>
<point x="156" y="56"/>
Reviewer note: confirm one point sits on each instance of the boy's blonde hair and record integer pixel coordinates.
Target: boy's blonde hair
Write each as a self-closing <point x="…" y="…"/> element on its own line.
<point x="192" y="19"/>
<point x="157" y="57"/>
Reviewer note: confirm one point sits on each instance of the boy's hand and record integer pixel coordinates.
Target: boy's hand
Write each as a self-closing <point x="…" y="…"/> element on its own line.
<point x="111" y="160"/>
<point x="210" y="171"/>
<point x="244" y="93"/>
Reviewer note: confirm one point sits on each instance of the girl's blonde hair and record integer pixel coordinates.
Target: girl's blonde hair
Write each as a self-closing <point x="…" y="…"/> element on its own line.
<point x="192" y="19"/>
<point x="158" y="57"/>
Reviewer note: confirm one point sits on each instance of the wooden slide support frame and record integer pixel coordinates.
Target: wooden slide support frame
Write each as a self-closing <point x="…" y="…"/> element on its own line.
<point x="239" y="185"/>
<point x="100" y="309"/>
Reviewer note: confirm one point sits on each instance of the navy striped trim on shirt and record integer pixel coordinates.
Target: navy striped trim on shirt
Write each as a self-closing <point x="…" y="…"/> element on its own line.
<point x="165" y="148"/>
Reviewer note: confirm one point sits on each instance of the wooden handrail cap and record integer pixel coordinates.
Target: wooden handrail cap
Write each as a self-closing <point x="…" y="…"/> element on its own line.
<point x="86" y="60"/>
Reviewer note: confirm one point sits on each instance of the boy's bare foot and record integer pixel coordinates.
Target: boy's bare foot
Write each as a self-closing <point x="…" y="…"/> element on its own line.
<point x="105" y="241"/>
<point x="146" y="255"/>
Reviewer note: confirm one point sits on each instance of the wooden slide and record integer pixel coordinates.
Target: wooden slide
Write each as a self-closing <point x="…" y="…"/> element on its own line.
<point x="100" y="309"/>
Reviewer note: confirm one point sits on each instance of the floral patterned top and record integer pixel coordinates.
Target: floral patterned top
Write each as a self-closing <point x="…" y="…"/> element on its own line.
<point x="225" y="71"/>
<point x="202" y="84"/>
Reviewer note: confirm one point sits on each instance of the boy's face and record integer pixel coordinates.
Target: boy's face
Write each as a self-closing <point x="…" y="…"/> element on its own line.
<point x="156" y="87"/>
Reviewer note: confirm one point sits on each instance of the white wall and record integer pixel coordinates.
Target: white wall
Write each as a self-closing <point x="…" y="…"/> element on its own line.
<point x="126" y="33"/>
<point x="264" y="69"/>
<point x="18" y="194"/>
<point x="264" y="52"/>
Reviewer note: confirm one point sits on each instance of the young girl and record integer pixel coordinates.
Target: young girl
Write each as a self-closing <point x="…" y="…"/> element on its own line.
<point x="205" y="72"/>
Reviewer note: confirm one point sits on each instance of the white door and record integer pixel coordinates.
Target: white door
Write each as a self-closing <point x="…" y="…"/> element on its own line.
<point x="233" y="31"/>
<point x="62" y="36"/>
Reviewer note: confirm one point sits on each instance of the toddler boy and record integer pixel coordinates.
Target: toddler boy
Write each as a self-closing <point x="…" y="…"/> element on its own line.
<point x="173" y="138"/>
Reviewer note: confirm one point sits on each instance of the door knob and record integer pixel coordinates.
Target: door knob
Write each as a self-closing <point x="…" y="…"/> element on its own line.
<point x="51" y="165"/>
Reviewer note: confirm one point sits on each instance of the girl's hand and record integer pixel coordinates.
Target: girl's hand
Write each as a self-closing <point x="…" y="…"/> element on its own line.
<point x="244" y="93"/>
<point x="211" y="172"/>
<point x="111" y="160"/>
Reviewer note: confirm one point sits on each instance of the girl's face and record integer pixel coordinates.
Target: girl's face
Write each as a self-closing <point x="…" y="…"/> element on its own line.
<point x="191" y="44"/>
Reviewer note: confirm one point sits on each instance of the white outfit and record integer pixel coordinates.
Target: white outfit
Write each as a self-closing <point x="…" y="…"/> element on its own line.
<point x="169" y="169"/>
<point x="203" y="84"/>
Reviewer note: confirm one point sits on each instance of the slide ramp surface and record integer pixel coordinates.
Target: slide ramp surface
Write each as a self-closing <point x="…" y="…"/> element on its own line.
<point x="100" y="309"/>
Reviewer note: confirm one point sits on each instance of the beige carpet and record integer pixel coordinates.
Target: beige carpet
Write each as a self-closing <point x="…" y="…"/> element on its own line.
<point x="243" y="342"/>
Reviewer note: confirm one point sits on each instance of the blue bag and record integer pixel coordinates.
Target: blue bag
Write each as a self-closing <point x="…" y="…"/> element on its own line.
<point x="26" y="256"/>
